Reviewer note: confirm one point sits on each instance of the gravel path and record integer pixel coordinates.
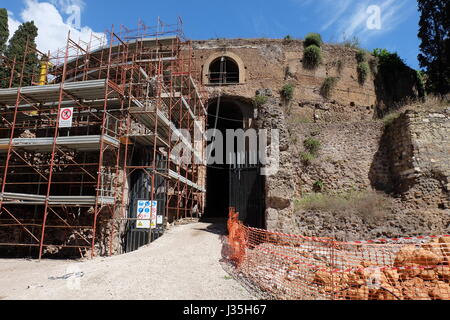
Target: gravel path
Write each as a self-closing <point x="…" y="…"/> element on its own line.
<point x="182" y="265"/>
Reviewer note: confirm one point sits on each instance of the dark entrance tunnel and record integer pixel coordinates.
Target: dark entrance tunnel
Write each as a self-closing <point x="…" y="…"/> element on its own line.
<point x="226" y="185"/>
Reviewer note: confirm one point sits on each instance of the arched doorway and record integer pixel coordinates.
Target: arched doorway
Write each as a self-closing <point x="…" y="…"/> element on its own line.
<point x="235" y="182"/>
<point x="224" y="70"/>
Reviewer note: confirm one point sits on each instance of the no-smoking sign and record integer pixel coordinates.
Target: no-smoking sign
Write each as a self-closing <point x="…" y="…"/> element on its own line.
<point x="65" y="117"/>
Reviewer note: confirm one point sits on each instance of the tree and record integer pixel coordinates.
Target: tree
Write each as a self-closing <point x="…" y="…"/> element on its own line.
<point x="434" y="31"/>
<point x="22" y="47"/>
<point x="4" y="31"/>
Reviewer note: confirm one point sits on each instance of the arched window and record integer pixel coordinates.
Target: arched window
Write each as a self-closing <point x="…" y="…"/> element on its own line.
<point x="223" y="70"/>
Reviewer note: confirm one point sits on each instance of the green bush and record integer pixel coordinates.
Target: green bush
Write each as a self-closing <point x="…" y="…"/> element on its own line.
<point x="313" y="39"/>
<point x="389" y="60"/>
<point x="363" y="72"/>
<point x="312" y="57"/>
<point x="312" y="145"/>
<point x="328" y="86"/>
<point x="288" y="91"/>
<point x="260" y="100"/>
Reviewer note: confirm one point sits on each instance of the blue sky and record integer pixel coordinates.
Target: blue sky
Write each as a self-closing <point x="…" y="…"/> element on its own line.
<point x="206" y="19"/>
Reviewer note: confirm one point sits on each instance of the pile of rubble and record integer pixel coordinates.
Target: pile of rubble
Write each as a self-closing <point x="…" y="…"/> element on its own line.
<point x="418" y="273"/>
<point x="394" y="271"/>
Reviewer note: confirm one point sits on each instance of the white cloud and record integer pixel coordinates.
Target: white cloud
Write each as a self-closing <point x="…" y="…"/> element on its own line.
<point x="66" y="4"/>
<point x="53" y="29"/>
<point x="348" y="18"/>
<point x="13" y="24"/>
<point x="338" y="8"/>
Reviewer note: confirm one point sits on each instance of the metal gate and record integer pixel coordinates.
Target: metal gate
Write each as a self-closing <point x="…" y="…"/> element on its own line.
<point x="141" y="189"/>
<point x="247" y="191"/>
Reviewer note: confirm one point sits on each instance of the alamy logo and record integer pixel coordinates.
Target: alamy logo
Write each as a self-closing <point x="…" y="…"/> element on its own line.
<point x="72" y="8"/>
<point x="374" y="20"/>
<point x="233" y="147"/>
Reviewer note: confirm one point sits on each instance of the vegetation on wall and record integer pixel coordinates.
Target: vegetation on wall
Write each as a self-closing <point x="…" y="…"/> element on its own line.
<point x="307" y="158"/>
<point x="361" y="56"/>
<point x="319" y="186"/>
<point x="312" y="145"/>
<point x="312" y="56"/>
<point x="288" y="39"/>
<point x="260" y="100"/>
<point x="313" y="39"/>
<point x="363" y="72"/>
<point x="312" y="148"/>
<point x="363" y="67"/>
<point x="388" y="60"/>
<point x="353" y="43"/>
<point x="328" y="86"/>
<point x="288" y="91"/>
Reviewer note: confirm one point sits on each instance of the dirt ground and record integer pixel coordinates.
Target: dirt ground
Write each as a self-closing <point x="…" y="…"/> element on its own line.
<point x="182" y="265"/>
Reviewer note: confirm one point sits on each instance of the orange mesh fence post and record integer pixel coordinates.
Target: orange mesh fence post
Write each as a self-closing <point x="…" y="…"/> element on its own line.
<point x="236" y="237"/>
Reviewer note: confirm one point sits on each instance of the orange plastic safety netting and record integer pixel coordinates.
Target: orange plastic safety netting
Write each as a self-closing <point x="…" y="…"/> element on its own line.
<point x="292" y="267"/>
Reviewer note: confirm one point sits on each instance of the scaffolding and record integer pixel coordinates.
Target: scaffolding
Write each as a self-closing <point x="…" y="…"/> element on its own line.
<point x="136" y="132"/>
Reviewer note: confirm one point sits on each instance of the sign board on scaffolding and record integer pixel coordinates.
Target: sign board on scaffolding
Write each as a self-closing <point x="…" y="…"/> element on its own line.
<point x="146" y="214"/>
<point x="65" y="117"/>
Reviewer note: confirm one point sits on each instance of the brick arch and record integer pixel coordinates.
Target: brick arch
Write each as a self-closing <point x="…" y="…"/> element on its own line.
<point x="230" y="55"/>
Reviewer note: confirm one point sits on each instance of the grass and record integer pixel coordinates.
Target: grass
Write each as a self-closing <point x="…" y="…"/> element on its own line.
<point x="366" y="204"/>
